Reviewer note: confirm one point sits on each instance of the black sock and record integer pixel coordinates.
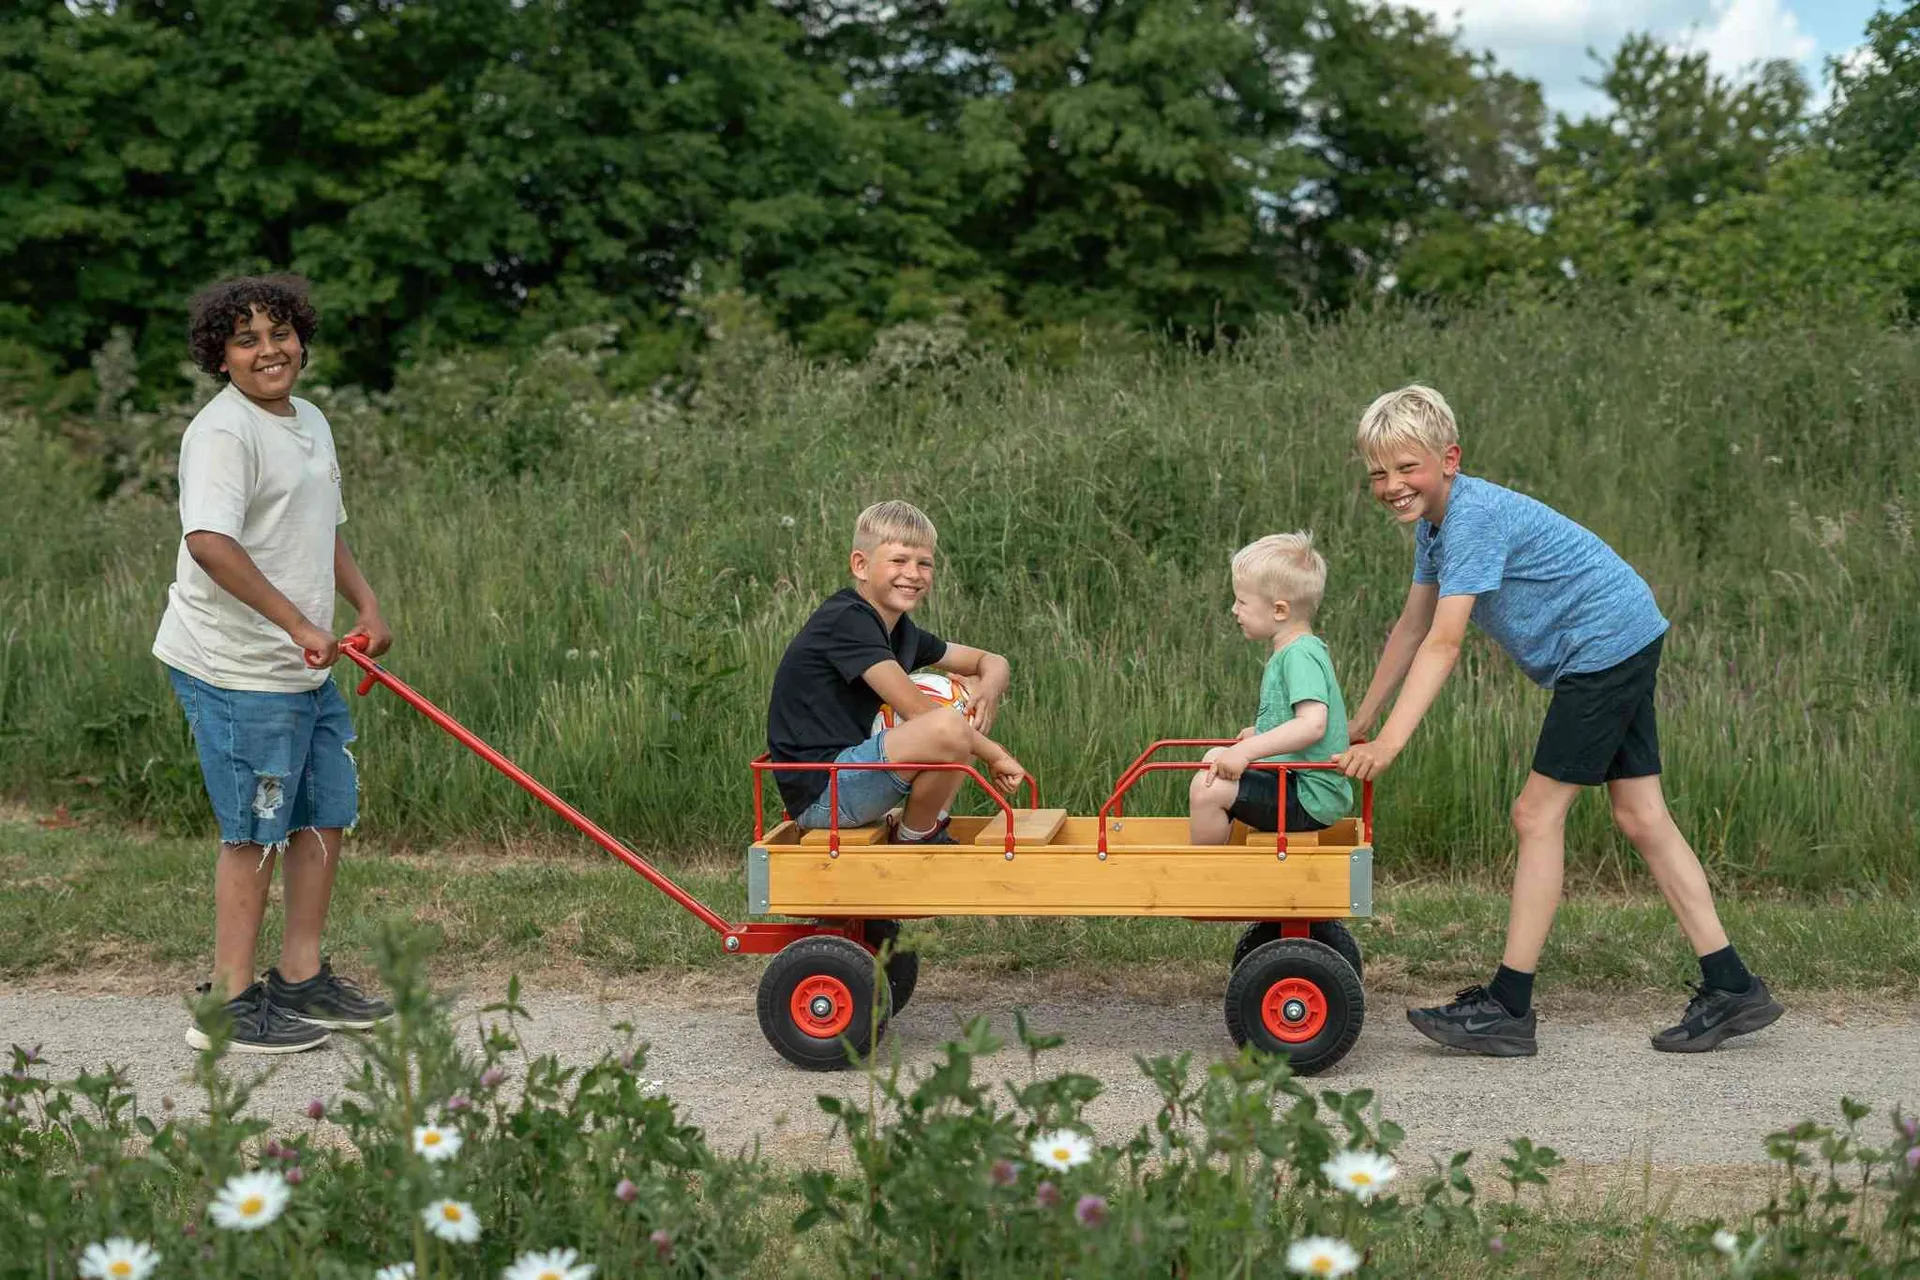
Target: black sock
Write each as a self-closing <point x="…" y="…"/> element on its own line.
<point x="1723" y="971"/>
<point x="1513" y="989"/>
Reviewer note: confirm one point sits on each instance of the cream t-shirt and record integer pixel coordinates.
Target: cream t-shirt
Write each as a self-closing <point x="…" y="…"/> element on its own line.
<point x="272" y="484"/>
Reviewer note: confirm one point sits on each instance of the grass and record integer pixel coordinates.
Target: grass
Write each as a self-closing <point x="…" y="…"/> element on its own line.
<point x="79" y="899"/>
<point x="603" y="585"/>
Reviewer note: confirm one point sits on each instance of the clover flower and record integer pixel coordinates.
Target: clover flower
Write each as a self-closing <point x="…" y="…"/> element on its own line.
<point x="1091" y="1211"/>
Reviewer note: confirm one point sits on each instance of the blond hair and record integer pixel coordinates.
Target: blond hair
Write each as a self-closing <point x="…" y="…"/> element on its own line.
<point x="1414" y="416"/>
<point x="1283" y="566"/>
<point x="893" y="521"/>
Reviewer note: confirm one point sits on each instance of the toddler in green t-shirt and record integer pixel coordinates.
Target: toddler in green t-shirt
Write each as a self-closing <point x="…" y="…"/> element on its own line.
<point x="1277" y="585"/>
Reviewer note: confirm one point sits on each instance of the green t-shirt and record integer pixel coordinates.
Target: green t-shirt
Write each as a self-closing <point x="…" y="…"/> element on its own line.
<point x="1303" y="672"/>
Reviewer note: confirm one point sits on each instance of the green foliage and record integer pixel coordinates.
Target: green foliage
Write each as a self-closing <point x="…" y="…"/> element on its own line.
<point x="602" y="581"/>
<point x="946" y="1175"/>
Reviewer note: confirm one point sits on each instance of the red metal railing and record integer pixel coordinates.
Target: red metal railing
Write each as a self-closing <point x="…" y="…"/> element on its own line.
<point x="764" y="764"/>
<point x="1144" y="764"/>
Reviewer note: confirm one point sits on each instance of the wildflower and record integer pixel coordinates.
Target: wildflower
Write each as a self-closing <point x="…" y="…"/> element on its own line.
<point x="625" y="1192"/>
<point x="1911" y="1127"/>
<point x="1091" y="1211"/>
<point x="1046" y="1196"/>
<point x="119" y="1259"/>
<point x="555" y="1264"/>
<point x="1004" y="1172"/>
<point x="662" y="1244"/>
<point x="249" y="1201"/>
<point x="274" y="1150"/>
<point x="573" y="655"/>
<point x="316" y="1109"/>
<point x="397" y="1271"/>
<point x="1496" y="1244"/>
<point x="786" y="522"/>
<point x="626" y="1059"/>
<point x="1913" y="1159"/>
<point x="1362" y="1174"/>
<point x="452" y="1220"/>
<point x="459" y="1102"/>
<point x="1726" y="1242"/>
<point x="493" y="1077"/>
<point x="32" y="1055"/>
<point x="435" y="1143"/>
<point x="295" y="1175"/>
<point x="1062" y="1149"/>
<point x="1321" y="1256"/>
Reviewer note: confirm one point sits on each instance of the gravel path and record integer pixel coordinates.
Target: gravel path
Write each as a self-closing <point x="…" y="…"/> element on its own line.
<point x="1597" y="1092"/>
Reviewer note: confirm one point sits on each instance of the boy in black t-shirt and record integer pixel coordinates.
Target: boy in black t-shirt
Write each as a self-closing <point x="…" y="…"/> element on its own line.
<point x="853" y="654"/>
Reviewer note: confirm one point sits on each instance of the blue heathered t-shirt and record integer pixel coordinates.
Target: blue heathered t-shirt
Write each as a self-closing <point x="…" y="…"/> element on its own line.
<point x="1549" y="591"/>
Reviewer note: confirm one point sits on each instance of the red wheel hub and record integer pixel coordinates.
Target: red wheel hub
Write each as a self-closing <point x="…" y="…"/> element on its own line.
<point x="821" y="1006"/>
<point x="1294" y="1010"/>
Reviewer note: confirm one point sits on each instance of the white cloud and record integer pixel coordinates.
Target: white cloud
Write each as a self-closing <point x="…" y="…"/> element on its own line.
<point x="1746" y="32"/>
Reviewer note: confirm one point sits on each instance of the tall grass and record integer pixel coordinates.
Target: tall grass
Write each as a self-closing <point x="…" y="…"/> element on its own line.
<point x="603" y="586"/>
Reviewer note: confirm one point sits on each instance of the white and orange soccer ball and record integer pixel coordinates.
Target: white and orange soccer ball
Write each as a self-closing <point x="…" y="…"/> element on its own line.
<point x="942" y="688"/>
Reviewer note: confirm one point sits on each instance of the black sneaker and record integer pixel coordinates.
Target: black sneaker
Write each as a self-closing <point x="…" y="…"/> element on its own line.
<point x="1714" y="1015"/>
<point x="1478" y="1023"/>
<point x="328" y="1000"/>
<point x="259" y="1026"/>
<point x="940" y="836"/>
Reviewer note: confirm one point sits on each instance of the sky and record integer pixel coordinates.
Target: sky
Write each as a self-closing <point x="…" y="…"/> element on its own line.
<point x="1548" y="39"/>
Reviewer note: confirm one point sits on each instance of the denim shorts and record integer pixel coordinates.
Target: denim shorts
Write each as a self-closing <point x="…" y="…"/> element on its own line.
<point x="865" y="794"/>
<point x="274" y="763"/>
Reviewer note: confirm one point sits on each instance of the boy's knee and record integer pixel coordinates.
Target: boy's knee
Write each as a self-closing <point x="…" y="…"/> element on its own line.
<point x="1531" y="817"/>
<point x="1639" y="821"/>
<point x="1219" y="795"/>
<point x="952" y="736"/>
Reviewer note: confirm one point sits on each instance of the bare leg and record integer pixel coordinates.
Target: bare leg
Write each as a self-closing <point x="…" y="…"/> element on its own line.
<point x="306" y="873"/>
<point x="1640" y="811"/>
<point x="1208" y="800"/>
<point x="1540" y="822"/>
<point x="939" y="737"/>
<point x="241" y="879"/>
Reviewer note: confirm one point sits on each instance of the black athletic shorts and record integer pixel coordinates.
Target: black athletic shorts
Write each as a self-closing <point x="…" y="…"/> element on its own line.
<point x="1258" y="805"/>
<point x="1600" y="724"/>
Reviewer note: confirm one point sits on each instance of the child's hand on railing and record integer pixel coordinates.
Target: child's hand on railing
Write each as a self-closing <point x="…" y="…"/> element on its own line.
<point x="1008" y="773"/>
<point x="1226" y="764"/>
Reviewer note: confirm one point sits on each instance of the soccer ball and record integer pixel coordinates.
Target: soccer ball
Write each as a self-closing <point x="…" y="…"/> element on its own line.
<point x="943" y="689"/>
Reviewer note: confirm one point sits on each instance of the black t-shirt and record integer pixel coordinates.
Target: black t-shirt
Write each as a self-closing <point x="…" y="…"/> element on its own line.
<point x="820" y="705"/>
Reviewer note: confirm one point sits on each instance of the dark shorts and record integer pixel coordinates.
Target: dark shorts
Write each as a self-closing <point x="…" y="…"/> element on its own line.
<point x="1258" y="803"/>
<point x="1600" y="725"/>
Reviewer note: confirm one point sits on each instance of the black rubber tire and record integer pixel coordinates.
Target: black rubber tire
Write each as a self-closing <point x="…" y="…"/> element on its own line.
<point x="1331" y="932"/>
<point x="1317" y="963"/>
<point x="903" y="964"/>
<point x="826" y="956"/>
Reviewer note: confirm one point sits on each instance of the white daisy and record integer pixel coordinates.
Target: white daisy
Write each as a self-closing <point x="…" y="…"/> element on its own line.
<point x="249" y="1201"/>
<point x="1061" y="1149"/>
<point x="397" y="1271"/>
<point x="1726" y="1242"/>
<point x="555" y="1264"/>
<point x="436" y="1143"/>
<point x="119" y="1259"/>
<point x="1362" y="1174"/>
<point x="1321" y="1256"/>
<point x="452" y="1220"/>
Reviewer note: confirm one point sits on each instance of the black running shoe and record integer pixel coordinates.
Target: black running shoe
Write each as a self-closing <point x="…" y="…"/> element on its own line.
<point x="328" y="1000"/>
<point x="259" y="1026"/>
<point x="940" y="836"/>
<point x="1478" y="1023"/>
<point x="1714" y="1015"/>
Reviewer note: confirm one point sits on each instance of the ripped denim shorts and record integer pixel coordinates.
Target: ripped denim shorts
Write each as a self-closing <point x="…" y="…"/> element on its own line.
<point x="275" y="763"/>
